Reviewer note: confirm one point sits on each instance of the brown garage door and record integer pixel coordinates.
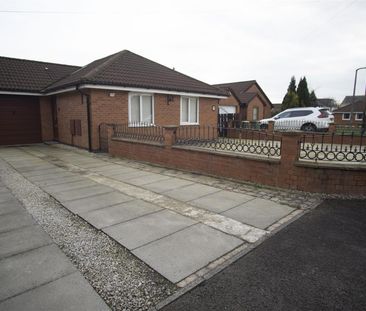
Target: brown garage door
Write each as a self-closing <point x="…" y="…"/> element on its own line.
<point x="19" y="120"/>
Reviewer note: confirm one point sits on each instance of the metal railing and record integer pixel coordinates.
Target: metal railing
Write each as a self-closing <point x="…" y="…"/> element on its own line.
<point x="139" y="131"/>
<point x="237" y="140"/>
<point x="333" y="147"/>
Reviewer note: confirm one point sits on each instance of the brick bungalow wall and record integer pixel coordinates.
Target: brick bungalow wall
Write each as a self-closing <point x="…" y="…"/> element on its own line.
<point x="338" y="120"/>
<point x="70" y="106"/>
<point x="265" y="112"/>
<point x="288" y="172"/>
<point x="111" y="109"/>
<point x="46" y="118"/>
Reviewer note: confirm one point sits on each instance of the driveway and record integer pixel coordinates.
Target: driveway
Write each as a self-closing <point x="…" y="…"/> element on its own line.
<point x="315" y="263"/>
<point x="181" y="225"/>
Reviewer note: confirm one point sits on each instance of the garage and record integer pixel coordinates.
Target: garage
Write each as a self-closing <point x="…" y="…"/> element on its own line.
<point x="19" y="120"/>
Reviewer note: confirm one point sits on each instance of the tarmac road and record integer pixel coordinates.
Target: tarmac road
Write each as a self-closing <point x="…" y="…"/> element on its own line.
<point x="316" y="263"/>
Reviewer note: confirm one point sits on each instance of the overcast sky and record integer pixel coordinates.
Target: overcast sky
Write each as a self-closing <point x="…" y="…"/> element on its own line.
<point x="213" y="41"/>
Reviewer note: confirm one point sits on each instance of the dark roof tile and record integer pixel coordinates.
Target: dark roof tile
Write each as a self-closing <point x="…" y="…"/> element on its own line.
<point x="20" y="75"/>
<point x="131" y="70"/>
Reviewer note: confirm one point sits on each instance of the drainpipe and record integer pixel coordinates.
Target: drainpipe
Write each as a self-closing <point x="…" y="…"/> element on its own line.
<point x="88" y="115"/>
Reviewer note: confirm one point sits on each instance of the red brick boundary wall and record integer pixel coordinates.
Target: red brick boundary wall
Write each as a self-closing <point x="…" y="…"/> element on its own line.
<point x="287" y="172"/>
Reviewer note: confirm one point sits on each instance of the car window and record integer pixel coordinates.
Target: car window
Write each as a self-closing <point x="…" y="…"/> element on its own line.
<point x="300" y="113"/>
<point x="282" y="115"/>
<point x="325" y="112"/>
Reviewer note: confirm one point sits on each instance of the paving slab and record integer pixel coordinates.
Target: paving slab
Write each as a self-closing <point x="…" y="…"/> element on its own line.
<point x="119" y="213"/>
<point x="221" y="201"/>
<point x="75" y="194"/>
<point x="10" y="207"/>
<point x="15" y="220"/>
<point x="31" y="269"/>
<point x="148" y="228"/>
<point x="95" y="202"/>
<point x="21" y="240"/>
<point x="44" y="171"/>
<point x="259" y="212"/>
<point x="6" y="197"/>
<point x="71" y="293"/>
<point x="3" y="189"/>
<point x="37" y="169"/>
<point x="69" y="186"/>
<point x="167" y="184"/>
<point x="92" y="164"/>
<point x="182" y="253"/>
<point x="106" y="168"/>
<point x="122" y="170"/>
<point x="50" y="176"/>
<point x="127" y="176"/>
<point x="60" y="180"/>
<point x="191" y="192"/>
<point x="147" y="179"/>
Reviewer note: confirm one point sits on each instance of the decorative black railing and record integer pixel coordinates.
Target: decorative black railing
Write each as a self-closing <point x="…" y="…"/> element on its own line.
<point x="301" y="125"/>
<point x="139" y="131"/>
<point x="236" y="140"/>
<point x="333" y="147"/>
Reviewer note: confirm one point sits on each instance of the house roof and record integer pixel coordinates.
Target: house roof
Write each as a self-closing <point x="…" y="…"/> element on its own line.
<point x="359" y="106"/>
<point x="20" y="75"/>
<point x="348" y="99"/>
<point x="326" y="102"/>
<point x="127" y="69"/>
<point x="239" y="90"/>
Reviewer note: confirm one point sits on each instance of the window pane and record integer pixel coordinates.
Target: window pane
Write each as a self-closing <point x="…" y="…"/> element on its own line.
<point x="146" y="106"/>
<point x="184" y="116"/>
<point x="193" y="110"/>
<point x="255" y="113"/>
<point x="135" y="109"/>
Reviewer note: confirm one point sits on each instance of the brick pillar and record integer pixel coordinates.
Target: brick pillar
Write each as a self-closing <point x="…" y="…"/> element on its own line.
<point x="270" y="128"/>
<point x="332" y="128"/>
<point x="289" y="155"/>
<point x="170" y="132"/>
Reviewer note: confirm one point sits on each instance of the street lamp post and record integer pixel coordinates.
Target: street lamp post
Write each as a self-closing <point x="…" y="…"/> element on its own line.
<point x="354" y="93"/>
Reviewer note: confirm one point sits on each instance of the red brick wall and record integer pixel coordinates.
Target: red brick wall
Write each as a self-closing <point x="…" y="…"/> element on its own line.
<point x="265" y="104"/>
<point x="338" y="120"/>
<point x="107" y="109"/>
<point x="46" y="118"/>
<point x="230" y="101"/>
<point x="287" y="173"/>
<point x="69" y="107"/>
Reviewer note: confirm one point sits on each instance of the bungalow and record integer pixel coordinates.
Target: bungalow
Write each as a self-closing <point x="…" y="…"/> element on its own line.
<point x="245" y="98"/>
<point x="42" y="101"/>
<point x="342" y="116"/>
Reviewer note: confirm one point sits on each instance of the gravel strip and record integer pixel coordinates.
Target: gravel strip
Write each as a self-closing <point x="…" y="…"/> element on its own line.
<point x="122" y="280"/>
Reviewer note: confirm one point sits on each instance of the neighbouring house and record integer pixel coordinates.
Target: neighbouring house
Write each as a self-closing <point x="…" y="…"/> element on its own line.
<point x="277" y="108"/>
<point x="344" y="116"/>
<point x="326" y="102"/>
<point x="41" y="101"/>
<point x="247" y="99"/>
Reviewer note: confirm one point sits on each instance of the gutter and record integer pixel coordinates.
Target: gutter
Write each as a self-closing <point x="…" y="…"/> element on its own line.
<point x="88" y="115"/>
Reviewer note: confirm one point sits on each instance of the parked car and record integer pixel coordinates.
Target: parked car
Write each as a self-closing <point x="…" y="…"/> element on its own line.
<point x="304" y="118"/>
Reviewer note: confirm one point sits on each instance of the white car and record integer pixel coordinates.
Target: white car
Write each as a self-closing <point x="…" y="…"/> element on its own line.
<point x="304" y="119"/>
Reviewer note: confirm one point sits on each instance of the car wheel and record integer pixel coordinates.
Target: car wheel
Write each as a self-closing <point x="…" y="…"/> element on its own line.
<point x="308" y="127"/>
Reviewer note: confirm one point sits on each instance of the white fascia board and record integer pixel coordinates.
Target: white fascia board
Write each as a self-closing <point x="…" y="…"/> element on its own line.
<point x="61" y="91"/>
<point x="20" y="93"/>
<point x="150" y="91"/>
<point x="39" y="94"/>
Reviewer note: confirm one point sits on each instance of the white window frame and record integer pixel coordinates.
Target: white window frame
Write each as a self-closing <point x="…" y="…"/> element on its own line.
<point x="181" y="110"/>
<point x="346" y="119"/>
<point x="356" y="114"/>
<point x="257" y="116"/>
<point x="152" y="108"/>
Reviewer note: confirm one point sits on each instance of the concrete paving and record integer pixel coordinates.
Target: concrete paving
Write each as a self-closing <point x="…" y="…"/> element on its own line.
<point x="259" y="213"/>
<point x="176" y="225"/>
<point x="34" y="273"/>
